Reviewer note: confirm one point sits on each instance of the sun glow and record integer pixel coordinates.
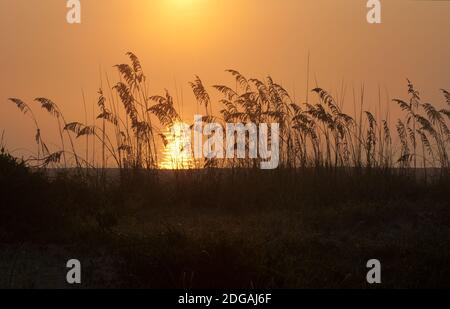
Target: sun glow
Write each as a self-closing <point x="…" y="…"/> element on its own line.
<point x="185" y="3"/>
<point x="186" y="6"/>
<point x="185" y="13"/>
<point x="177" y="151"/>
<point x="182" y="2"/>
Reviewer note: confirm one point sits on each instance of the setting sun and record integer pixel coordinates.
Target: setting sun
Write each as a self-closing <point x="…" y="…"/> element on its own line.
<point x="177" y="151"/>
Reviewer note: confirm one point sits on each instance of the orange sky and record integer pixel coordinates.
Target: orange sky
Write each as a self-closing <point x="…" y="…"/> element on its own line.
<point x="43" y="56"/>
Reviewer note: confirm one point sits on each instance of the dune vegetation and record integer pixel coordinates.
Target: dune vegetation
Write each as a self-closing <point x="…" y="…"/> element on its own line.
<point x="313" y="134"/>
<point x="350" y="187"/>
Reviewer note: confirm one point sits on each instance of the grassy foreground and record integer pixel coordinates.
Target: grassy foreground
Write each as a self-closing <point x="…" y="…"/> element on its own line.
<point x="305" y="228"/>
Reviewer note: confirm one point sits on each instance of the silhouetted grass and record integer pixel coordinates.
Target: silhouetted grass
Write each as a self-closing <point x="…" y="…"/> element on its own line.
<point x="346" y="191"/>
<point x="312" y="134"/>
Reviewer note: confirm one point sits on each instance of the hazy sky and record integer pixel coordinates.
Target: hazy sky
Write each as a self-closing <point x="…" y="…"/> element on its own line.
<point x="43" y="56"/>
